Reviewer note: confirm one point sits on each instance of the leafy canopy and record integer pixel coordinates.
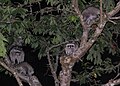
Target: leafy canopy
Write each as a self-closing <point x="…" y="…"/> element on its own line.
<point x="42" y="26"/>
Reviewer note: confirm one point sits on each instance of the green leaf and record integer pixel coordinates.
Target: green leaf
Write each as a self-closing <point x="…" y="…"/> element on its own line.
<point x="2" y="48"/>
<point x="57" y="39"/>
<point x="50" y="2"/>
<point x="90" y="57"/>
<point x="73" y="18"/>
<point x="52" y="21"/>
<point x="34" y="45"/>
<point x="5" y="1"/>
<point x="27" y="40"/>
<point x="3" y="38"/>
<point x="108" y="5"/>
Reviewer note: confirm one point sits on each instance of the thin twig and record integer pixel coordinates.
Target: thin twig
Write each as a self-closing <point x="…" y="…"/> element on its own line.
<point x="116" y="76"/>
<point x="84" y="37"/>
<point x="78" y="12"/>
<point x="52" y="70"/>
<point x="54" y="46"/>
<point x="115" y="17"/>
<point x="56" y="63"/>
<point x="112" y="21"/>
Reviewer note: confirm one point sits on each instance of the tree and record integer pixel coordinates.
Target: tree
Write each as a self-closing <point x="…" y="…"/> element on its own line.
<point x="56" y="24"/>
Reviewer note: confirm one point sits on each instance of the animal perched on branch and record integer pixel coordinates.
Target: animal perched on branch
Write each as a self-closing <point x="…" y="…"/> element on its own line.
<point x="15" y="60"/>
<point x="15" y="52"/>
<point x="24" y="70"/>
<point x="16" y="55"/>
<point x="91" y="15"/>
<point x="70" y="48"/>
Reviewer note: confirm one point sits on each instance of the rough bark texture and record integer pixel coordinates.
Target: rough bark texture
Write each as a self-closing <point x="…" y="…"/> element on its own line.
<point x="65" y="74"/>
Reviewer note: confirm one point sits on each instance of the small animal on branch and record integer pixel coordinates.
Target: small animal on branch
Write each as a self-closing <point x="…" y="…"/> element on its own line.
<point x="16" y="53"/>
<point x="70" y="48"/>
<point x="91" y="15"/>
<point x="24" y="70"/>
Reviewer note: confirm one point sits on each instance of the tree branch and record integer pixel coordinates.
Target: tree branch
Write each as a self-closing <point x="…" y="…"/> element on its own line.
<point x="78" y="12"/>
<point x="114" y="11"/>
<point x="52" y="70"/>
<point x="12" y="71"/>
<point x="84" y="37"/>
<point x="54" y="46"/>
<point x="82" y="50"/>
<point x="68" y="62"/>
<point x="115" y="17"/>
<point x="112" y="82"/>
